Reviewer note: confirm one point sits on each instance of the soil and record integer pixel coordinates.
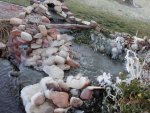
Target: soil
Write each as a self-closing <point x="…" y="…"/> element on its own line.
<point x="8" y="10"/>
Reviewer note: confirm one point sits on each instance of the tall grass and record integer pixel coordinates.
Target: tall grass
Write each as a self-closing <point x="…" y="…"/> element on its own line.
<point x="18" y="2"/>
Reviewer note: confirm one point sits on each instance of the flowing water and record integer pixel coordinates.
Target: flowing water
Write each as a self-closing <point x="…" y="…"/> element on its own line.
<point x="92" y="63"/>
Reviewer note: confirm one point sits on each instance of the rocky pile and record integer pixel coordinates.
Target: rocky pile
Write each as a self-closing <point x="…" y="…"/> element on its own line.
<point x="118" y="43"/>
<point x="36" y="41"/>
<point x="57" y="96"/>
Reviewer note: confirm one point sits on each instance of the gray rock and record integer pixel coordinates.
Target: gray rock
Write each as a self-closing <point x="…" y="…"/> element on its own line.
<point x="76" y="102"/>
<point x="26" y="36"/>
<point x="75" y="92"/>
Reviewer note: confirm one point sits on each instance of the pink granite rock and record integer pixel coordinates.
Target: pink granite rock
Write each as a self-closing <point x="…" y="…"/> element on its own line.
<point x="86" y="94"/>
<point x="60" y="99"/>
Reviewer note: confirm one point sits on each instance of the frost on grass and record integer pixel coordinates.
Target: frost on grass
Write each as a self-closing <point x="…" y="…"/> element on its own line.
<point x="123" y="95"/>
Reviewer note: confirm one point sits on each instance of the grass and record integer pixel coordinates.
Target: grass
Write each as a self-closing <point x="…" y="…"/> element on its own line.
<point x="135" y="98"/>
<point x="18" y="2"/>
<point x="107" y="20"/>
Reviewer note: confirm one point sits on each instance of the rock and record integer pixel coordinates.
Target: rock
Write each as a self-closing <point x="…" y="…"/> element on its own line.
<point x="149" y="41"/>
<point x="21" y="27"/>
<point x="93" y="23"/>
<point x="63" y="85"/>
<point x="46" y="43"/>
<point x="38" y="99"/>
<point x="57" y="3"/>
<point x="45" y="19"/>
<point x="76" y="102"/>
<point x="53" y="33"/>
<point x="72" y="63"/>
<point x="22" y="15"/>
<point x="44" y="108"/>
<point x="77" y="82"/>
<point x="26" y="36"/>
<point x="50" y="51"/>
<point x="66" y="37"/>
<point x="2" y="45"/>
<point x="39" y="41"/>
<point x="70" y="13"/>
<point x="28" y="91"/>
<point x="79" y="111"/>
<point x="49" y="38"/>
<point x="114" y="53"/>
<point x="63" y="14"/>
<point x="58" y="9"/>
<point x="31" y="31"/>
<point x="60" y="99"/>
<point x="137" y="39"/>
<point x="35" y="5"/>
<point x="60" y="110"/>
<point x="86" y="23"/>
<point x="64" y="48"/>
<point x="37" y="51"/>
<point x="59" y="60"/>
<point x="33" y="63"/>
<point x="120" y="39"/>
<point x="86" y="94"/>
<point x="47" y="83"/>
<point x="94" y="87"/>
<point x="29" y="9"/>
<point x="38" y="35"/>
<point x="49" y="61"/>
<point x="63" y="54"/>
<point x="33" y="19"/>
<point x="72" y="18"/>
<point x="64" y="8"/>
<point x="16" y="21"/>
<point x="78" y="20"/>
<point x="15" y="33"/>
<point x="134" y="47"/>
<point x="43" y="8"/>
<point x="43" y="30"/>
<point x="64" y="67"/>
<point x="54" y="72"/>
<point x="36" y="46"/>
<point x="75" y="92"/>
<point x="57" y="43"/>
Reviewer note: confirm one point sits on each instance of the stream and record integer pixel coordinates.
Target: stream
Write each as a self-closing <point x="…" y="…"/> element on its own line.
<point x="92" y="65"/>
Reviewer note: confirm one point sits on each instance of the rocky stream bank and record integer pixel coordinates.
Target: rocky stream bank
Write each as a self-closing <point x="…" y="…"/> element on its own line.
<point x="55" y="74"/>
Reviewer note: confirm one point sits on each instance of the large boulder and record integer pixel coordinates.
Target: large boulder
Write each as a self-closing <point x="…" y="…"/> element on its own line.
<point x="28" y="92"/>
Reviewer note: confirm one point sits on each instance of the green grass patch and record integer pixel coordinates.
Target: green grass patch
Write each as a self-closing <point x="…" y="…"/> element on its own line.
<point x="18" y="2"/>
<point x="107" y="20"/>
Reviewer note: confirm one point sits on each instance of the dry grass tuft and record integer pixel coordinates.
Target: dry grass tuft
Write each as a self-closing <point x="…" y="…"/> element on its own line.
<point x="5" y="28"/>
